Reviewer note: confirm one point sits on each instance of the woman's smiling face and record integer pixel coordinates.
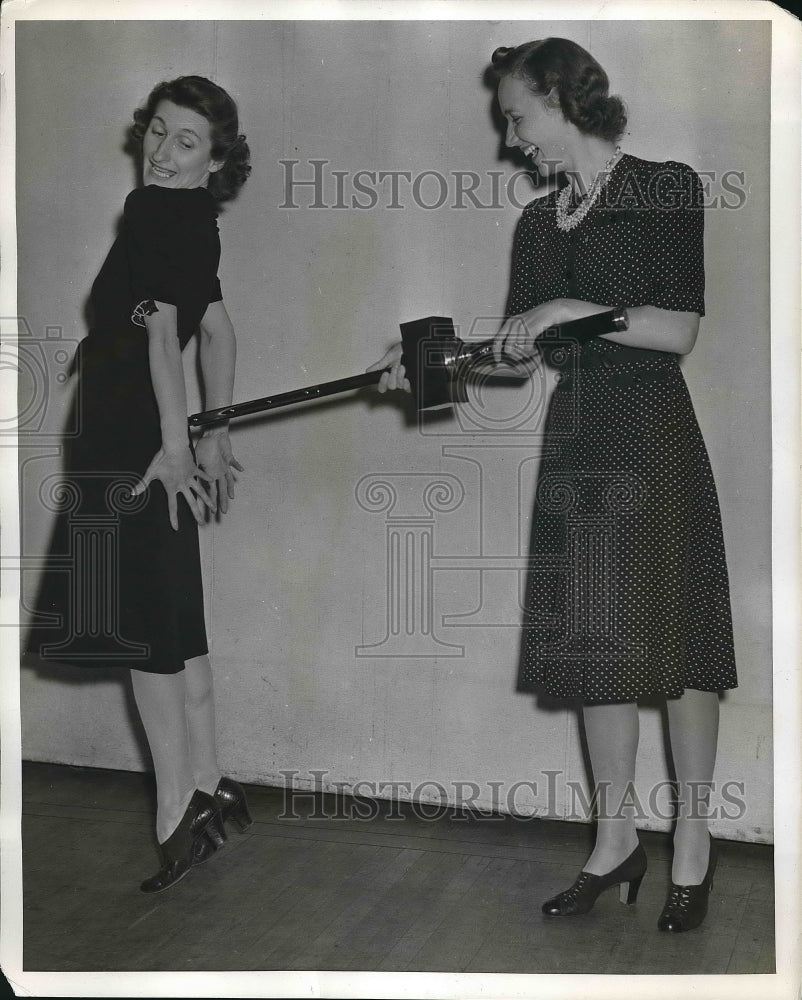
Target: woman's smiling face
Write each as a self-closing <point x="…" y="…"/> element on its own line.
<point x="539" y="131"/>
<point x="177" y="148"/>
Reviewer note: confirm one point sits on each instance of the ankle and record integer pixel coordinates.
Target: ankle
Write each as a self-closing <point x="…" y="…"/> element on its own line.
<point x="611" y="848"/>
<point x="691" y="828"/>
<point x="208" y="781"/>
<point x="169" y="814"/>
<point x="616" y="836"/>
<point x="692" y="853"/>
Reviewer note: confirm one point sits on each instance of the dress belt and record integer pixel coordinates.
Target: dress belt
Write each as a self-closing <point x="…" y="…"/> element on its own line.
<point x="621" y="376"/>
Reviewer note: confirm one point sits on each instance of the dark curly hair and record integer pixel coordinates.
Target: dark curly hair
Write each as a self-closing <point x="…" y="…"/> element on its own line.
<point x="580" y="82"/>
<point x="218" y="108"/>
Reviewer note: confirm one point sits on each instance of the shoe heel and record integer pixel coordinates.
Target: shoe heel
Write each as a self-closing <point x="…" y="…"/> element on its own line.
<point x="216" y="831"/>
<point x="628" y="891"/>
<point x="241" y="816"/>
<point x="203" y="848"/>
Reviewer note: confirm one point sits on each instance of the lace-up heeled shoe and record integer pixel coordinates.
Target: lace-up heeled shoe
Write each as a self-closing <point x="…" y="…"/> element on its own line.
<point x="585" y="891"/>
<point x="686" y="905"/>
<point x="230" y="798"/>
<point x="198" y="825"/>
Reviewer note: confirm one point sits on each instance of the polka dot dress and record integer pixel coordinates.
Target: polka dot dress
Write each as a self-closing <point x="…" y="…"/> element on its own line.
<point x="628" y="594"/>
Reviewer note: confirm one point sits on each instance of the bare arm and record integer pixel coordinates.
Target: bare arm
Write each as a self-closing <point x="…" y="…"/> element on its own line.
<point x="659" y="330"/>
<point x="649" y="327"/>
<point x="167" y="375"/>
<point x="173" y="464"/>
<point x="218" y="357"/>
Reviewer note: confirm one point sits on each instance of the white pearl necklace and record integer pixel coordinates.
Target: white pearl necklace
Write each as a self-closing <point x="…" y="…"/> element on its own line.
<point x="566" y="222"/>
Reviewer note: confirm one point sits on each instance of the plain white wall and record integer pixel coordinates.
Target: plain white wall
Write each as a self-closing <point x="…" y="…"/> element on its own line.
<point x="297" y="573"/>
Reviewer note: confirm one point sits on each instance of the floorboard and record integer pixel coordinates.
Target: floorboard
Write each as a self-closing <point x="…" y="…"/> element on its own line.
<point x="328" y="888"/>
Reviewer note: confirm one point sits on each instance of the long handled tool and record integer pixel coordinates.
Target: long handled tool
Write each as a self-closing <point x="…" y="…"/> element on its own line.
<point x="436" y="363"/>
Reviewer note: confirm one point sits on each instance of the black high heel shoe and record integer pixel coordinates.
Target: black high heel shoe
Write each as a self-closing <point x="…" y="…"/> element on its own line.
<point x="230" y="799"/>
<point x="585" y="891"/>
<point x="686" y="905"/>
<point x="215" y="837"/>
<point x="199" y="825"/>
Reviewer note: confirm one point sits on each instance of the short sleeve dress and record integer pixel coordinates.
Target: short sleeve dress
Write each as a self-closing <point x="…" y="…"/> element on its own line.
<point x="628" y="593"/>
<point x="121" y="586"/>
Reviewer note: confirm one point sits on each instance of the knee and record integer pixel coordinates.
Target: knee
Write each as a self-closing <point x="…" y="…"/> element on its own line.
<point x="199" y="689"/>
<point x="198" y="697"/>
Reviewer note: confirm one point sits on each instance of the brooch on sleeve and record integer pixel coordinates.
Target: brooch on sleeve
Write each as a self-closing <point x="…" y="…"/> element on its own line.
<point x="147" y="307"/>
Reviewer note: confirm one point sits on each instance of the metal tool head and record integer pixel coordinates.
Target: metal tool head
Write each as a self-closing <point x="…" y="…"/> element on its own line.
<point x="431" y="353"/>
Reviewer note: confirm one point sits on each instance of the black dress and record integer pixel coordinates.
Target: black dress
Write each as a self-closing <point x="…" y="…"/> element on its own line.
<point x="628" y="593"/>
<point x="121" y="586"/>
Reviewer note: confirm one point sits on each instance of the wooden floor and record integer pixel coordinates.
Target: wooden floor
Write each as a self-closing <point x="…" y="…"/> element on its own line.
<point x="380" y="894"/>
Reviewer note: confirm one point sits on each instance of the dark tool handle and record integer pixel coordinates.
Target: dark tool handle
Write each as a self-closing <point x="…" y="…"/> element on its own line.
<point x="578" y="331"/>
<point x="285" y="399"/>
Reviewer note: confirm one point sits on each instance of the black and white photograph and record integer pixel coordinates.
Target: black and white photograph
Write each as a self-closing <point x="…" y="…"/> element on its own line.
<point x="400" y="499"/>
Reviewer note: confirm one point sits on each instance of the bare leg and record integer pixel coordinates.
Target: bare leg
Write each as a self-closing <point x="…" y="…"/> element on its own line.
<point x="612" y="736"/>
<point x="161" y="700"/>
<point x="693" y="727"/>
<point x="200" y="723"/>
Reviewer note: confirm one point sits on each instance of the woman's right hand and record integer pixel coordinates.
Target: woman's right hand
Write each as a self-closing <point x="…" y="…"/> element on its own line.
<point x="178" y="473"/>
<point x="395" y="376"/>
<point x="214" y="455"/>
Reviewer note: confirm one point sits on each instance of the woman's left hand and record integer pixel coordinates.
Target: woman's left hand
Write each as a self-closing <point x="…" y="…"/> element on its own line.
<point x="517" y="336"/>
<point x="393" y="372"/>
<point x="214" y="455"/>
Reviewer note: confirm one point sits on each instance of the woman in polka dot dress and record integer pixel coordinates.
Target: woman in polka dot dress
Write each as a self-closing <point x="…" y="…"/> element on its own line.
<point x="629" y="594"/>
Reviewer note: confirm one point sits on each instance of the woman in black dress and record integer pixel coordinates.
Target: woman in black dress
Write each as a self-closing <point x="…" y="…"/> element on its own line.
<point x="134" y="597"/>
<point x="634" y="600"/>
